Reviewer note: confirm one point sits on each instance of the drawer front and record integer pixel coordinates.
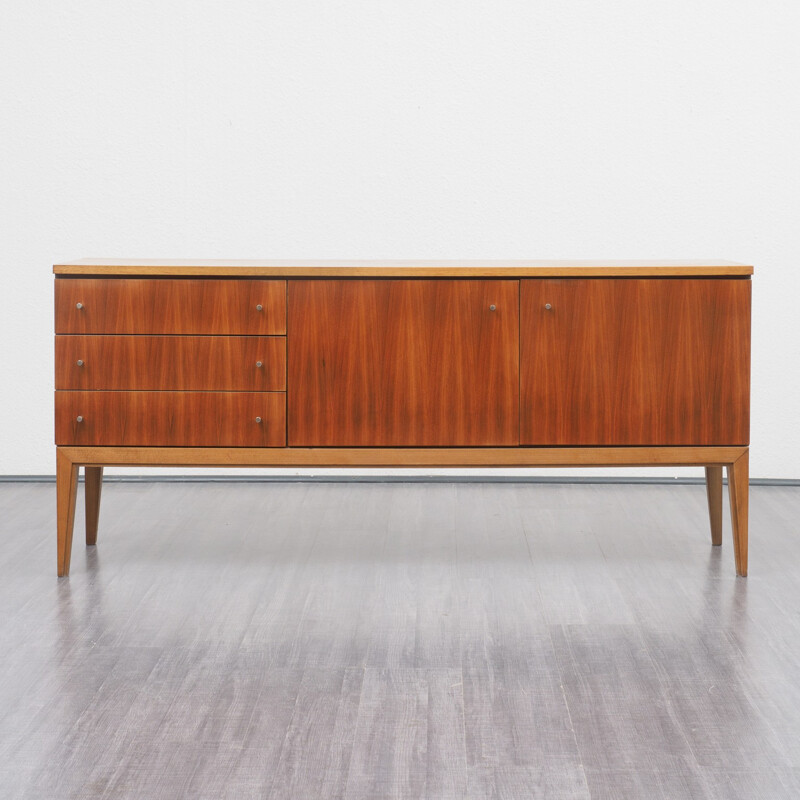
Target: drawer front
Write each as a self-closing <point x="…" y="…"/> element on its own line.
<point x="171" y="419"/>
<point x="166" y="305"/>
<point x="157" y="363"/>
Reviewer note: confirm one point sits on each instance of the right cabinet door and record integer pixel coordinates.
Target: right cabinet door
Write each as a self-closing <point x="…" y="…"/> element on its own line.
<point x="635" y="361"/>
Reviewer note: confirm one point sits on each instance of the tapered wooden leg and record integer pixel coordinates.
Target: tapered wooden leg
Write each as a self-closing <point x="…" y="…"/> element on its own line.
<point x="714" y="493"/>
<point x="94" y="485"/>
<point x="739" y="490"/>
<point x="66" y="495"/>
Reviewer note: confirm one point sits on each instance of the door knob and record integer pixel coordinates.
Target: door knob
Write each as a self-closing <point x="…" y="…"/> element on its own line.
<point x="259" y="307"/>
<point x="79" y="362"/>
<point x="78" y="419"/>
<point x="259" y="364"/>
<point x="79" y="306"/>
<point x="548" y="306"/>
<point x="258" y="420"/>
<point x="493" y="307"/>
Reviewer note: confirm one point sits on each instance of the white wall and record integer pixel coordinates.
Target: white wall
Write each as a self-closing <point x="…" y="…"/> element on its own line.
<point x="574" y="129"/>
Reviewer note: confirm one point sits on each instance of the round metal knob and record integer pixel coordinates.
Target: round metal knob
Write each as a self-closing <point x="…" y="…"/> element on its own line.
<point x="259" y="364"/>
<point x="79" y="306"/>
<point x="492" y="307"/>
<point x="78" y="419"/>
<point x="548" y="306"/>
<point x="259" y="307"/>
<point x="258" y="420"/>
<point x="79" y="362"/>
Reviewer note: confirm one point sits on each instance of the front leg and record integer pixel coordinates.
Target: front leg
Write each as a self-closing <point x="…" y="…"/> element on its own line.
<point x="739" y="490"/>
<point x="66" y="495"/>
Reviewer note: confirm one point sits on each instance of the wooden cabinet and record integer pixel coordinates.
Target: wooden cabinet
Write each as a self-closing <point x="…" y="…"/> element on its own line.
<point x="398" y="363"/>
<point x="635" y="361"/>
<point x="470" y="364"/>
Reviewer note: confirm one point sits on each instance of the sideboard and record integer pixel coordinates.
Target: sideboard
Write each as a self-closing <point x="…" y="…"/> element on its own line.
<point x="401" y="364"/>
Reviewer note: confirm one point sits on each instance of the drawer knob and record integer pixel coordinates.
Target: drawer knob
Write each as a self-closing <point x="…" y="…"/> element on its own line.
<point x="492" y="307"/>
<point x="258" y="420"/>
<point x="259" y="364"/>
<point x="548" y="306"/>
<point x="79" y="362"/>
<point x="79" y="306"/>
<point x="79" y="418"/>
<point x="259" y="307"/>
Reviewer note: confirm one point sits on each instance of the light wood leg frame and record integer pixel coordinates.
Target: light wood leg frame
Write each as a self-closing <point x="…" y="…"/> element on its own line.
<point x="94" y="486"/>
<point x="714" y="492"/>
<point x="69" y="459"/>
<point x="66" y="495"/>
<point x="739" y="491"/>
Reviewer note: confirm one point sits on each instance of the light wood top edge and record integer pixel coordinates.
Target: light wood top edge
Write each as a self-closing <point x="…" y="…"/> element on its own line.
<point x="419" y="268"/>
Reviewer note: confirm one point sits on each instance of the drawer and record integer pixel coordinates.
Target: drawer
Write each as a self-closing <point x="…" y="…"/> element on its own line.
<point x="171" y="419"/>
<point x="171" y="305"/>
<point x="188" y="363"/>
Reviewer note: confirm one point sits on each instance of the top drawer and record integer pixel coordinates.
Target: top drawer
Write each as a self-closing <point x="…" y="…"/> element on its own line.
<point x="171" y="305"/>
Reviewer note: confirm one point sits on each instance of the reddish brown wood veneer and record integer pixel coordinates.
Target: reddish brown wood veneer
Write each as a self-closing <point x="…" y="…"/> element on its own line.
<point x="158" y="363"/>
<point x="172" y="419"/>
<point x="403" y="362"/>
<point x="167" y="305"/>
<point x="635" y="361"/>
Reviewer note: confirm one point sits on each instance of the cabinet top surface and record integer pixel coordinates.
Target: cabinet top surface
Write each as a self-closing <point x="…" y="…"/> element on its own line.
<point x="404" y="268"/>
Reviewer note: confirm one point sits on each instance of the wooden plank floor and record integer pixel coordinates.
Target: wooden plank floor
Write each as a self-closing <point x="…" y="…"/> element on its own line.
<point x="399" y="641"/>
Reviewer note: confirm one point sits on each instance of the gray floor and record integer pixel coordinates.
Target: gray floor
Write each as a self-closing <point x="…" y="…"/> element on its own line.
<point x="399" y="641"/>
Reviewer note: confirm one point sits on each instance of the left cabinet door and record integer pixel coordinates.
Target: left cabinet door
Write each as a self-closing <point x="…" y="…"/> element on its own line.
<point x="403" y="363"/>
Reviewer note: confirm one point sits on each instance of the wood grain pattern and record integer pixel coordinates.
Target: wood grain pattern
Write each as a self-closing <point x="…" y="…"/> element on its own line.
<point x="404" y="456"/>
<point x="92" y="492"/>
<point x="149" y="676"/>
<point x="391" y="742"/>
<point x="635" y="362"/>
<point x="452" y="268"/>
<point x="159" y="363"/>
<point x="319" y="736"/>
<point x="200" y="419"/>
<point x="739" y="495"/>
<point x="403" y="363"/>
<point x="714" y="496"/>
<point x="163" y="306"/>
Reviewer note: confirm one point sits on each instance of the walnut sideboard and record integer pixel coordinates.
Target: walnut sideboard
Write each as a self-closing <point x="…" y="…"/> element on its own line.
<point x="414" y="364"/>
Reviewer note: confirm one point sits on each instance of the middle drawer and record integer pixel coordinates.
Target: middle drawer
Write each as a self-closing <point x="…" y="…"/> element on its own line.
<point x="163" y="363"/>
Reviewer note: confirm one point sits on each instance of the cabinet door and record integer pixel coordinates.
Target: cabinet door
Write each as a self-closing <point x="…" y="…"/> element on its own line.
<point x="403" y="362"/>
<point x="635" y="361"/>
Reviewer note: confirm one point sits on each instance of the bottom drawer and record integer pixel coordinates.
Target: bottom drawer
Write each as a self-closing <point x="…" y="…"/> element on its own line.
<point x="171" y="419"/>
